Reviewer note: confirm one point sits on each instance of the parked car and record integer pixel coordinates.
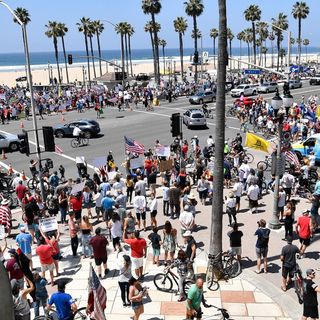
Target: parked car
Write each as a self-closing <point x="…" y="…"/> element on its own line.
<point x="9" y="141"/>
<point x="194" y="118"/>
<point x="201" y="97"/>
<point x="315" y="80"/>
<point x="246" y="101"/>
<point x="294" y="84"/>
<point x="143" y="77"/>
<point x="89" y="127"/>
<point x="244" y="90"/>
<point x="268" y="87"/>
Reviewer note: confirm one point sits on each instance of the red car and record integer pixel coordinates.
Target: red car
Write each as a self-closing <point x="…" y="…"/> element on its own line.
<point x="246" y="101"/>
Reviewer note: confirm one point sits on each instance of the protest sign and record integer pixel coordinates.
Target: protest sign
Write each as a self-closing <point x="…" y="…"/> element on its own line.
<point x="165" y="165"/>
<point x="49" y="224"/>
<point x="136" y="163"/>
<point x="77" y="187"/>
<point x="163" y="151"/>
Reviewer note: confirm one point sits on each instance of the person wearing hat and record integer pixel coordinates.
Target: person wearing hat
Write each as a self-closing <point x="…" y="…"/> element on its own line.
<point x="191" y="248"/>
<point x="310" y="300"/>
<point x="14" y="270"/>
<point x="20" y="302"/>
<point x="191" y="203"/>
<point x="253" y="195"/>
<point x="304" y="231"/>
<point x="121" y="199"/>
<point x="288" y="258"/>
<point x="231" y="207"/>
<point x="187" y="220"/>
<point x="263" y="234"/>
<point x="5" y="215"/>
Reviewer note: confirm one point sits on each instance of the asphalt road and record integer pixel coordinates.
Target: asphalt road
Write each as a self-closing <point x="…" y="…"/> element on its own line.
<point x="144" y="126"/>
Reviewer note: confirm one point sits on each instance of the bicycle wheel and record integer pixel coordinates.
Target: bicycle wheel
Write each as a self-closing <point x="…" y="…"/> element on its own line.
<point x="232" y="267"/>
<point x="211" y="280"/>
<point x="249" y="157"/>
<point x="74" y="143"/>
<point x="84" y="141"/>
<point x="298" y="287"/>
<point x="162" y="282"/>
<point x="263" y="164"/>
<point x="32" y="183"/>
<point x="80" y="314"/>
<point x="186" y="286"/>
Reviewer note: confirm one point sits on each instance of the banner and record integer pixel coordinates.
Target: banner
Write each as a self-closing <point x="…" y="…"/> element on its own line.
<point x="163" y="151"/>
<point x="255" y="142"/>
<point x="77" y="187"/>
<point x="165" y="165"/>
<point x="136" y="163"/>
<point x="49" y="224"/>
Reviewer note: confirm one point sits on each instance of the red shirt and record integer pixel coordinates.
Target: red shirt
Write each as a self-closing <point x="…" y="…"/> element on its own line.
<point x="137" y="246"/>
<point x="14" y="269"/>
<point x="45" y="253"/>
<point x="304" y="227"/>
<point x="21" y="190"/>
<point x="99" y="244"/>
<point x="76" y="203"/>
<point x="55" y="246"/>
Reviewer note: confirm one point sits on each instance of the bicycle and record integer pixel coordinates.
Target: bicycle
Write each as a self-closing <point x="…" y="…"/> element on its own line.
<point x="79" y="142"/>
<point x="298" y="283"/>
<point x="34" y="183"/>
<point x="163" y="281"/>
<point x="223" y="313"/>
<point x="265" y="164"/>
<point x="221" y="266"/>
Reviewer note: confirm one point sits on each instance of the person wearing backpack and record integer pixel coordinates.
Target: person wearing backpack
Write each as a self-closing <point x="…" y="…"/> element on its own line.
<point x="263" y="234"/>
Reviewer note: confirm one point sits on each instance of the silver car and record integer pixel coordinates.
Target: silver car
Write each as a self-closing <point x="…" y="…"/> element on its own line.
<point x="9" y="142"/>
<point x="295" y="84"/>
<point x="194" y="118"/>
<point x="268" y="87"/>
<point x="201" y="97"/>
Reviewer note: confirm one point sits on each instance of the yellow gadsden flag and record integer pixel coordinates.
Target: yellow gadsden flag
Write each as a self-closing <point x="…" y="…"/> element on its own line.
<point x="255" y="142"/>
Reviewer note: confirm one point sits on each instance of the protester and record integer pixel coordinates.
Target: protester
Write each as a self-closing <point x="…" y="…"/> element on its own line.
<point x="14" y="270"/>
<point x="139" y="204"/>
<point x="45" y="253"/>
<point x="310" y="299"/>
<point x="73" y="232"/>
<point x="235" y="241"/>
<point x="169" y="242"/>
<point x="156" y="245"/>
<point x="24" y="241"/>
<point x="181" y="263"/>
<point x="262" y="234"/>
<point x="125" y="275"/>
<point x="115" y="226"/>
<point x="41" y="293"/>
<point x="136" y="293"/>
<point x="86" y="230"/>
<point x="304" y="231"/>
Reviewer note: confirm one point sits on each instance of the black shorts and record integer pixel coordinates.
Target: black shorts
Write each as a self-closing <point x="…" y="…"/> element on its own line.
<point x="116" y="241"/>
<point x="287" y="191"/>
<point x="53" y="212"/>
<point x="287" y="272"/>
<point x="311" y="312"/>
<point x="237" y="200"/>
<point x="77" y="214"/>
<point x="107" y="214"/>
<point x="99" y="261"/>
<point x="153" y="213"/>
<point x="141" y="215"/>
<point x="305" y="242"/>
<point x="253" y="203"/>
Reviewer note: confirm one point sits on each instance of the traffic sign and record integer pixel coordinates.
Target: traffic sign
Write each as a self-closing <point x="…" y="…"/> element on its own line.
<point x="252" y="71"/>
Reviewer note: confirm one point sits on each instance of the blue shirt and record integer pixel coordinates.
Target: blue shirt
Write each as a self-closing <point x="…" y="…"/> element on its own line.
<point x="63" y="302"/>
<point x="104" y="187"/>
<point x="24" y="240"/>
<point x="107" y="203"/>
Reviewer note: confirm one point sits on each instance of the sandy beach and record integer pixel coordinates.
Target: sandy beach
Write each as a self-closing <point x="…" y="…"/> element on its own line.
<point x="40" y="74"/>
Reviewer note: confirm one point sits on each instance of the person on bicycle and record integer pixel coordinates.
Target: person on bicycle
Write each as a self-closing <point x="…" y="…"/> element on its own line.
<point x="63" y="302"/>
<point x="77" y="132"/>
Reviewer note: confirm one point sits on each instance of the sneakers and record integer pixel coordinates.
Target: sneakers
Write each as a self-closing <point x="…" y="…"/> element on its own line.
<point x="106" y="272"/>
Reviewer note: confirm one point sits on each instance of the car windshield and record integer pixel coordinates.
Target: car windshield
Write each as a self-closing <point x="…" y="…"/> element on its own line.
<point x="199" y="94"/>
<point x="265" y="84"/>
<point x="240" y="87"/>
<point x="95" y="123"/>
<point x="197" y="115"/>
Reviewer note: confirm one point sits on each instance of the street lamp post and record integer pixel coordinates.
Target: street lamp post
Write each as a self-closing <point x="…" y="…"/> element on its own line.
<point x="29" y="77"/>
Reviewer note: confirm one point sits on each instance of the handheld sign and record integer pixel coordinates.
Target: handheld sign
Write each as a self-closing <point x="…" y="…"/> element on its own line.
<point x="49" y="224"/>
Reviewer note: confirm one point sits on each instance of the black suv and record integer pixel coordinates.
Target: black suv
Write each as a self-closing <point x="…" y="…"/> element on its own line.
<point x="90" y="128"/>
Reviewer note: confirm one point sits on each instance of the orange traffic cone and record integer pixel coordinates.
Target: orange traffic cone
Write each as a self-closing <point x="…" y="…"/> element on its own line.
<point x="10" y="170"/>
<point x="21" y="125"/>
<point x="62" y="118"/>
<point x="23" y="176"/>
<point x="3" y="156"/>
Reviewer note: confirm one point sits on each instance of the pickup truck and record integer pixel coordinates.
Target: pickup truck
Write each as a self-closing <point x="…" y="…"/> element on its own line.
<point x="244" y="90"/>
<point x="303" y="148"/>
<point x="315" y="80"/>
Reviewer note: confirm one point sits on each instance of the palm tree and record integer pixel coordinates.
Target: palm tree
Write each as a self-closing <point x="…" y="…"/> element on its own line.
<point x="282" y="54"/>
<point x="90" y="34"/>
<point x="281" y="22"/>
<point x="264" y="51"/>
<point x="214" y="34"/>
<point x="248" y="37"/>
<point x="62" y="32"/>
<point x="262" y="31"/>
<point x="153" y="7"/>
<point x="292" y="41"/>
<point x="24" y="17"/>
<point x="271" y="38"/>
<point x="98" y="27"/>
<point x="83" y="27"/>
<point x="180" y="25"/>
<point x="217" y="208"/>
<point x="149" y="28"/>
<point x="163" y="43"/>
<point x="194" y="9"/>
<point x="53" y="32"/>
<point x="196" y="34"/>
<point x="126" y="28"/>
<point x="240" y="38"/>
<point x="300" y="11"/>
<point x="230" y="37"/>
<point x="120" y="28"/>
<point x="253" y="14"/>
<point x="306" y="42"/>
<point x="130" y="34"/>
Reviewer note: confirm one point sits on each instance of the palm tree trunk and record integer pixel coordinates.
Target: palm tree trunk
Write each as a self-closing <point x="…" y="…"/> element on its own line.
<point x="156" y="49"/>
<point x="92" y="57"/>
<point x="129" y="43"/>
<point x="248" y="51"/>
<point x="65" y="58"/>
<point x="154" y="55"/>
<point x="127" y="53"/>
<point x="88" y="62"/>
<point x="265" y="60"/>
<point x="99" y="52"/>
<point x="214" y="52"/>
<point x="278" y="48"/>
<point x="231" y="61"/>
<point x="25" y="65"/>
<point x="272" y="53"/>
<point x="217" y="201"/>
<point x="181" y="54"/>
<point x="239" y="63"/>
<point x="299" y="43"/>
<point x="122" y="58"/>
<point x="195" y="48"/>
<point x="164" y="61"/>
<point x="55" y="44"/>
<point x="254" y="43"/>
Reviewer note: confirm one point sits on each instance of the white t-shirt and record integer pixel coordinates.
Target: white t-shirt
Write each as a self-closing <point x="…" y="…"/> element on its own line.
<point x="76" y="132"/>
<point x="230" y="203"/>
<point x="245" y="169"/>
<point x="253" y="192"/>
<point x="237" y="189"/>
<point x="210" y="142"/>
<point x="282" y="199"/>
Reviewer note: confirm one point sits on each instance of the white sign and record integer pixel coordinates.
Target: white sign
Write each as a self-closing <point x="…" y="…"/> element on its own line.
<point x="99" y="162"/>
<point x="136" y="163"/>
<point x="2" y="96"/>
<point x="112" y="175"/>
<point x="49" y="224"/>
<point x="77" y="187"/>
<point x="205" y="55"/>
<point x="2" y="232"/>
<point x="163" y="151"/>
<point x="80" y="159"/>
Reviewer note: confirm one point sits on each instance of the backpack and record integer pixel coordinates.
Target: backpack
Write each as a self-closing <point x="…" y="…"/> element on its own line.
<point x="264" y="240"/>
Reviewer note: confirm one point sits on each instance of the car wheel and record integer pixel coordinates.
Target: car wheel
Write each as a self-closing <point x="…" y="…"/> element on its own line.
<point x="14" y="146"/>
<point x="254" y="92"/>
<point x="267" y="91"/>
<point x="59" y="134"/>
<point x="201" y="101"/>
<point x="87" y="134"/>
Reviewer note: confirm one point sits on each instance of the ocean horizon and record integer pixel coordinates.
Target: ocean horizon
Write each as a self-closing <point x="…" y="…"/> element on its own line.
<point x="8" y="60"/>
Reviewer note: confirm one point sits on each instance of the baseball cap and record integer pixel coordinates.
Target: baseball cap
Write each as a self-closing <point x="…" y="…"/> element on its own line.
<point x="309" y="272"/>
<point x="187" y="233"/>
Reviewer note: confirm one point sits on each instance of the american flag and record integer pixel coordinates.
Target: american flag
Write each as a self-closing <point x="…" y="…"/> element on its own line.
<point x="98" y="292"/>
<point x="133" y="146"/>
<point x="292" y="158"/>
<point x="58" y="149"/>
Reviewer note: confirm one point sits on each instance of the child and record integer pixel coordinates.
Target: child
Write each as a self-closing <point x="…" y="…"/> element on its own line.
<point x="41" y="293"/>
<point x="155" y="242"/>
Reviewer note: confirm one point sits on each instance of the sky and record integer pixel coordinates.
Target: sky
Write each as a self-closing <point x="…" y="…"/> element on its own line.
<point x="70" y="11"/>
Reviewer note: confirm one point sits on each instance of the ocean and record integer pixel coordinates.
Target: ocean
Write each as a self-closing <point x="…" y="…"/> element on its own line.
<point x="14" y="61"/>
